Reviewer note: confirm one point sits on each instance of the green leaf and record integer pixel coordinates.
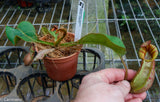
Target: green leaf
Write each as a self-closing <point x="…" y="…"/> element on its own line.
<point x="25" y="31"/>
<point x="112" y="42"/>
<point x="11" y="35"/>
<point x="53" y="33"/>
<point x="44" y="30"/>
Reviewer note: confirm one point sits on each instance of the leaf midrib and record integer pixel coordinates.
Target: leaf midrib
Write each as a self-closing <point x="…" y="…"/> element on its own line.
<point x="43" y="42"/>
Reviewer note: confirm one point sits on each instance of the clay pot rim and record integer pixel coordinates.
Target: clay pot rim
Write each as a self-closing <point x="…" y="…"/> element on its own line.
<point x="60" y="58"/>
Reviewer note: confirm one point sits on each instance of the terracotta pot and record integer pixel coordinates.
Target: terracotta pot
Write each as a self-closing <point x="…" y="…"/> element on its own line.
<point x="61" y="69"/>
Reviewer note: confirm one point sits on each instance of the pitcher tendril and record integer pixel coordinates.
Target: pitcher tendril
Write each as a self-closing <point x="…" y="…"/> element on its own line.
<point x="126" y="69"/>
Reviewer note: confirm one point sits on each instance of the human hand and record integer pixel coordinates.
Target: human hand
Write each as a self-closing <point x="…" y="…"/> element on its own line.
<point x="108" y="85"/>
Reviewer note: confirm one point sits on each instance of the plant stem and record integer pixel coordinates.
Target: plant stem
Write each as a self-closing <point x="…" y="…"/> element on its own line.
<point x="126" y="69"/>
<point x="46" y="43"/>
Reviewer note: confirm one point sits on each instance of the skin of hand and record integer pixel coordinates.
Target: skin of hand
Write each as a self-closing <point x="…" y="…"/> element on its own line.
<point x="108" y="85"/>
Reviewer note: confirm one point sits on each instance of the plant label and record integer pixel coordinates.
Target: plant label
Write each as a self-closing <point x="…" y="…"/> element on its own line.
<point x="79" y="20"/>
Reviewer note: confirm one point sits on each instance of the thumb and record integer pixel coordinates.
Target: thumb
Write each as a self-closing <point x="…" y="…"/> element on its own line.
<point x="124" y="87"/>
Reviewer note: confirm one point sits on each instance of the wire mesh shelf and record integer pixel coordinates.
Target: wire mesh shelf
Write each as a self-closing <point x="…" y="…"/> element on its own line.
<point x="134" y="21"/>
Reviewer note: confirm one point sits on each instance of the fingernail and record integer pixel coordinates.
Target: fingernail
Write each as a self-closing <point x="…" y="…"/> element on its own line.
<point x="126" y="83"/>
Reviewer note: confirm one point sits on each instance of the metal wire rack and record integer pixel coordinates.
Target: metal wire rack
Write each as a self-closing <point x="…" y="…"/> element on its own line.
<point x="134" y="21"/>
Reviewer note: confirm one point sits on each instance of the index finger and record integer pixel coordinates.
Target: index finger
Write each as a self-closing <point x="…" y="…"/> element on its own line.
<point x="111" y="75"/>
